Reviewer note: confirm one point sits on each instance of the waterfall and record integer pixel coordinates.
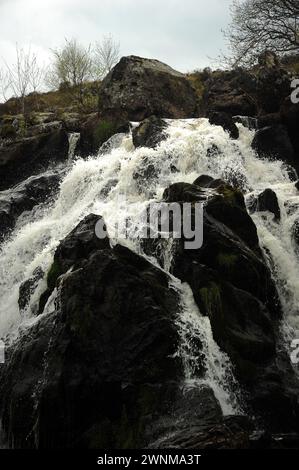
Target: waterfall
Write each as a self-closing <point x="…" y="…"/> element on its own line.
<point x="116" y="185"/>
<point x="73" y="140"/>
<point x="196" y="329"/>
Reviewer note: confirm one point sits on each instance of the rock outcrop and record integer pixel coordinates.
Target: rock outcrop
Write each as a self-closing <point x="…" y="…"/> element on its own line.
<point x="274" y="143"/>
<point x="232" y="284"/>
<point x="101" y="369"/>
<point x="27" y="156"/>
<point x="224" y="120"/>
<point x="137" y="88"/>
<point x="149" y="133"/>
<point x="25" y="196"/>
<point x="266" y="201"/>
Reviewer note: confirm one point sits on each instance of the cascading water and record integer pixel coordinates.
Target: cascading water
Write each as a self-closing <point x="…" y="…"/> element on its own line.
<point x="119" y="184"/>
<point x="73" y="141"/>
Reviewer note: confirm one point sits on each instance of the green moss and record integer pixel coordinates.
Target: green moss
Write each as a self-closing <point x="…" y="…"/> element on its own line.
<point x="211" y="298"/>
<point x="53" y="274"/>
<point x="232" y="196"/>
<point x="197" y="80"/>
<point x="131" y="430"/>
<point x="103" y="131"/>
<point x="227" y="260"/>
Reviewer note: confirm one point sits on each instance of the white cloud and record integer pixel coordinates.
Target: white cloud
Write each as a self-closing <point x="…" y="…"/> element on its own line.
<point x="183" y="33"/>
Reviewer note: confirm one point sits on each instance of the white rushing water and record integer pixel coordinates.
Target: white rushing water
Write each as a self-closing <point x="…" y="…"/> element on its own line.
<point x="114" y="185"/>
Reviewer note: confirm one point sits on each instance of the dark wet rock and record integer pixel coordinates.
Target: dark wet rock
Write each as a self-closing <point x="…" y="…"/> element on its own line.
<point x="203" y="181"/>
<point x="28" y="287"/>
<point x="96" y="131"/>
<point x="138" y="88"/>
<point x="230" y="209"/>
<point x="266" y="201"/>
<point x="225" y="121"/>
<point x="268" y="87"/>
<point x="297" y="185"/>
<point x="75" y="248"/>
<point x="274" y="143"/>
<point x="184" y="192"/>
<point x="269" y="120"/>
<point x="223" y="93"/>
<point x="22" y="158"/>
<point x="25" y="196"/>
<point x="44" y="128"/>
<point x="102" y="369"/>
<point x="149" y="133"/>
<point x="231" y="432"/>
<point x="289" y="113"/>
<point x="255" y="92"/>
<point x="145" y="174"/>
<point x="198" y="423"/>
<point x="232" y="284"/>
<point x="265" y="440"/>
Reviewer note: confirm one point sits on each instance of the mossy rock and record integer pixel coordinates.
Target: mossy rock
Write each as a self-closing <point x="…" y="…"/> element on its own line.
<point x="211" y="298"/>
<point x="232" y="196"/>
<point x="103" y="131"/>
<point x="8" y="131"/>
<point x="227" y="260"/>
<point x="53" y="274"/>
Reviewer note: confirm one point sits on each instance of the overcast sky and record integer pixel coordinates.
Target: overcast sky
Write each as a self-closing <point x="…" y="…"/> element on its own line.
<point x="183" y="33"/>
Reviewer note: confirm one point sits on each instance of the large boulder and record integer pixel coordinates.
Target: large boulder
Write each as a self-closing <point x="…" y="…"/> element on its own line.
<point x="24" y="157"/>
<point x="95" y="131"/>
<point x="223" y="93"/>
<point x="25" y="196"/>
<point x="101" y="369"/>
<point x="149" y="133"/>
<point x="289" y="114"/>
<point x="268" y="85"/>
<point x="98" y="370"/>
<point x="260" y="90"/>
<point x="225" y="121"/>
<point x="233" y="286"/>
<point x="274" y="142"/>
<point x="266" y="201"/>
<point x="137" y="88"/>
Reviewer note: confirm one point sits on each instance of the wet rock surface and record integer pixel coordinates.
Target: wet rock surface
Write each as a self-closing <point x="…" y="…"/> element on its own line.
<point x="99" y="366"/>
<point x="149" y="133"/>
<point x="266" y="201"/>
<point x="274" y="142"/>
<point x="224" y="120"/>
<point x="22" y="158"/>
<point x="232" y="284"/>
<point x="25" y="196"/>
<point x="101" y="369"/>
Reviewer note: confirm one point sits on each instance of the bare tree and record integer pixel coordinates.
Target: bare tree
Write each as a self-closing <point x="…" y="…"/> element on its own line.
<point x="259" y="25"/>
<point x="19" y="74"/>
<point x="72" y="65"/>
<point x="4" y="84"/>
<point x="106" y="56"/>
<point x="36" y="74"/>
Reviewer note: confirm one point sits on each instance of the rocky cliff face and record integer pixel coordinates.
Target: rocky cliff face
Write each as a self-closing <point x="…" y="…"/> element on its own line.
<point x="144" y="343"/>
